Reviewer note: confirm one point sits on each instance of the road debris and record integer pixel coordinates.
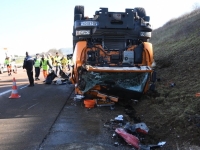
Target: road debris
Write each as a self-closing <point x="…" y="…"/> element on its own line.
<point x="129" y="138"/>
<point x="197" y="94"/>
<point x="78" y="97"/>
<point x="172" y="84"/>
<point x="119" y="117"/>
<point x="131" y="133"/>
<point x="139" y="127"/>
<point x="101" y="103"/>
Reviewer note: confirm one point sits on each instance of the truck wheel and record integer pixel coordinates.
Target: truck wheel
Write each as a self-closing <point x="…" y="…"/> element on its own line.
<point x="141" y="11"/>
<point x="78" y="10"/>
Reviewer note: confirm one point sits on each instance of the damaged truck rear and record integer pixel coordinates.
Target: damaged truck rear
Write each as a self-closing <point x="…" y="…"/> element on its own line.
<point x="112" y="57"/>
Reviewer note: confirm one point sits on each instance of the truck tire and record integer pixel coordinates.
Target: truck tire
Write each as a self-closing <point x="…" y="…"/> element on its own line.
<point x="79" y="10"/>
<point x="140" y="11"/>
<point x="78" y="15"/>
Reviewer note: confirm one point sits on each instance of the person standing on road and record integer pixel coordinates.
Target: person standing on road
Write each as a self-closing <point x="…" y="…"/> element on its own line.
<point x="64" y="63"/>
<point x="28" y="65"/>
<point x="37" y="62"/>
<point x="45" y="66"/>
<point x="69" y="61"/>
<point x="13" y="65"/>
<point x="57" y="63"/>
<point x="8" y="64"/>
<point x="51" y="61"/>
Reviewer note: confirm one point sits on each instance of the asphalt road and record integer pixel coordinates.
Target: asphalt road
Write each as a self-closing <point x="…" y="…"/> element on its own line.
<point x="26" y="121"/>
<point x="46" y="117"/>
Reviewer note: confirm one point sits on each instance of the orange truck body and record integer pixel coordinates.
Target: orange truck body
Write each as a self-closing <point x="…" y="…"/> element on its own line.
<point x="101" y="71"/>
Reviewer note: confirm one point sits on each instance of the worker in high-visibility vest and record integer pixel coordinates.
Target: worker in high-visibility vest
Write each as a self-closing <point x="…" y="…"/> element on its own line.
<point x="64" y="63"/>
<point x="45" y="66"/>
<point x="69" y="62"/>
<point x="51" y="59"/>
<point x="37" y="62"/>
<point x="7" y="62"/>
<point x="57" y="63"/>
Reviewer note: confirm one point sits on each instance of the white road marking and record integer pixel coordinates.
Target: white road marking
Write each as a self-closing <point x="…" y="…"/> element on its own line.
<point x="23" y="87"/>
<point x="2" y="93"/>
<point x="32" y="106"/>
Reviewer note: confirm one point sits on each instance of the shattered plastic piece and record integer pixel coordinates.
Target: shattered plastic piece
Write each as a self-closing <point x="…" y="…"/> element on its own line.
<point x="111" y="120"/>
<point x="139" y="127"/>
<point x="172" y="84"/>
<point x="149" y="147"/>
<point x="119" y="117"/>
<point x="114" y="135"/>
<point x="162" y="143"/>
<point x="129" y="138"/>
<point x="78" y="97"/>
<point x="116" y="144"/>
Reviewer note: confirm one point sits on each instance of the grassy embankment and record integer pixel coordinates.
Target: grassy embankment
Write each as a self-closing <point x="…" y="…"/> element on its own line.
<point x="175" y="114"/>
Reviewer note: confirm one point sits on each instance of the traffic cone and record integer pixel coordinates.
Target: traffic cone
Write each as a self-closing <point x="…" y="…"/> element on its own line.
<point x="14" y="93"/>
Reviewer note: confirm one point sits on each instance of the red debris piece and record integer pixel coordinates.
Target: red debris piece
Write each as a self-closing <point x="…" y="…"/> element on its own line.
<point x="141" y="131"/>
<point x="129" y="138"/>
<point x="197" y="94"/>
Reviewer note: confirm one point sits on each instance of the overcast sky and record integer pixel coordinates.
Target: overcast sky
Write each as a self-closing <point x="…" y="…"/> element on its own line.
<point x="39" y="25"/>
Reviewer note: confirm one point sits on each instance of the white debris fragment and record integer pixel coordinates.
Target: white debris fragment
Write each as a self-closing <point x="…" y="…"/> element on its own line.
<point x="119" y="117"/>
<point x="162" y="143"/>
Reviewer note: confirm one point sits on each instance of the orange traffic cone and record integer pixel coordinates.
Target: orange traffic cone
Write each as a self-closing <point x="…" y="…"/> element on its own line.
<point x="14" y="93"/>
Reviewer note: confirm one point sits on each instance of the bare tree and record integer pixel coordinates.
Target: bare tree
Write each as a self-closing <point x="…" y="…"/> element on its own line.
<point x="54" y="51"/>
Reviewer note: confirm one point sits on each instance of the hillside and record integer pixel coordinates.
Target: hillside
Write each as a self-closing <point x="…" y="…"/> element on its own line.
<point x="174" y="115"/>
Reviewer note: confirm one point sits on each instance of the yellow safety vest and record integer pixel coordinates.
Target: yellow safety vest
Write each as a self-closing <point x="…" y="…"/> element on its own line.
<point x="7" y="62"/>
<point x="64" y="61"/>
<point x="58" y="60"/>
<point x="37" y="63"/>
<point x="45" y="65"/>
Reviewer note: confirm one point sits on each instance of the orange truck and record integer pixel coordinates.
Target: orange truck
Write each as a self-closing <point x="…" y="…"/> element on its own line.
<point x="112" y="57"/>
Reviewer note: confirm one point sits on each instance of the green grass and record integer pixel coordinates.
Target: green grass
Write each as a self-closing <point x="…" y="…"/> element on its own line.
<point x="177" y="56"/>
